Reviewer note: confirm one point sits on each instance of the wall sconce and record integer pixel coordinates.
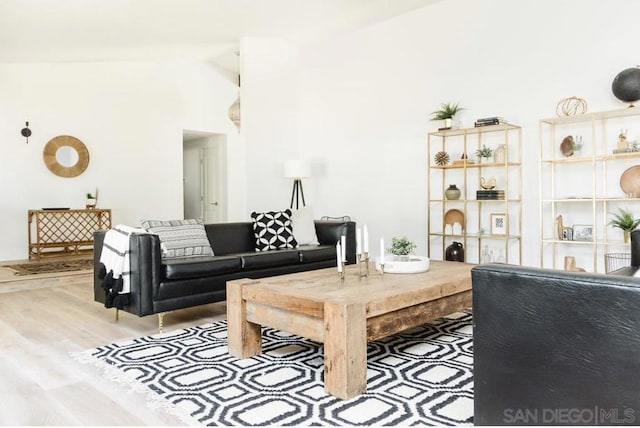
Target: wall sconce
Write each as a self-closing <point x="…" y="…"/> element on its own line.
<point x="26" y="132"/>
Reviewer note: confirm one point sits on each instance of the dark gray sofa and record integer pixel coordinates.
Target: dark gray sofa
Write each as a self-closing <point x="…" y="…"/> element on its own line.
<point x="554" y="347"/>
<point x="158" y="286"/>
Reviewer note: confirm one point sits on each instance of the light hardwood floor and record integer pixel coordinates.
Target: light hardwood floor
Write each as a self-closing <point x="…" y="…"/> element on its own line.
<point x="43" y="320"/>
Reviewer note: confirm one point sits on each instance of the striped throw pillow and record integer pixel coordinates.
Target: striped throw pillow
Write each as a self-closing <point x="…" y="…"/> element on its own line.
<point x="180" y="238"/>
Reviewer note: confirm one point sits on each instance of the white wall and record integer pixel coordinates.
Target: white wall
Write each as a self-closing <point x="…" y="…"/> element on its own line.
<point x="357" y="106"/>
<point x="130" y="116"/>
<point x="365" y="98"/>
<point x="270" y="103"/>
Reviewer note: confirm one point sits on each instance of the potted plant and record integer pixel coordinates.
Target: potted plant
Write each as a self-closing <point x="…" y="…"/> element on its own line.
<point x="624" y="220"/>
<point x="401" y="247"/>
<point x="484" y="152"/>
<point x="92" y="200"/>
<point x="447" y="112"/>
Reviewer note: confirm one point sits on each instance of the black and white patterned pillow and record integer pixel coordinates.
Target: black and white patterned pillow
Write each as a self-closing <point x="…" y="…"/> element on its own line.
<point x="273" y="230"/>
<point x="180" y="238"/>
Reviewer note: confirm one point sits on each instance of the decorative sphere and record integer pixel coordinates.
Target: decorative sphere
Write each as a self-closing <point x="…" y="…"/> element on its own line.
<point x="626" y="85"/>
<point x="441" y="158"/>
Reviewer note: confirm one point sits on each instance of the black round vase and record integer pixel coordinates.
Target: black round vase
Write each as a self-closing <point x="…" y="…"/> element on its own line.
<point x="454" y="252"/>
<point x="626" y="85"/>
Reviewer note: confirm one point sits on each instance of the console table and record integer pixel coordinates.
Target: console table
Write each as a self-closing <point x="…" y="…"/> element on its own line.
<point x="68" y="231"/>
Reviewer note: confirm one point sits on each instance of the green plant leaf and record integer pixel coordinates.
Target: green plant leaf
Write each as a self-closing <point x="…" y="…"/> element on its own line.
<point x="484" y="152"/>
<point x="624" y="220"/>
<point x="401" y="246"/>
<point x="447" y="111"/>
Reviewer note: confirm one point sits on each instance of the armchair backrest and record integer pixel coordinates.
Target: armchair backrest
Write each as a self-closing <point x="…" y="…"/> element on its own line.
<point x="547" y="340"/>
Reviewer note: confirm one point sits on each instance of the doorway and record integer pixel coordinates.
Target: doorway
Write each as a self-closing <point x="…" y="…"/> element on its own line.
<point x="204" y="176"/>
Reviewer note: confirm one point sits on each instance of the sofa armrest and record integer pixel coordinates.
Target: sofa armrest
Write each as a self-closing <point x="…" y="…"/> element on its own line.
<point x="98" y="241"/>
<point x="330" y="232"/>
<point x="146" y="271"/>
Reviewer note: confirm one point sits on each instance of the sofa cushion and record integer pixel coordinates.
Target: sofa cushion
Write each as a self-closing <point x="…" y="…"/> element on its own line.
<point x="273" y="230"/>
<point x="195" y="267"/>
<point x="317" y="253"/>
<point x="304" y="227"/>
<point x="180" y="238"/>
<point x="268" y="259"/>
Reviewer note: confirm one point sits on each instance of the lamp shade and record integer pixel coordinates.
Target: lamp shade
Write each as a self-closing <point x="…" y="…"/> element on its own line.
<point x="297" y="168"/>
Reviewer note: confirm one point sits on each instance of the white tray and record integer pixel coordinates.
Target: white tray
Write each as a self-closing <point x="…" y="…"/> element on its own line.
<point x="415" y="264"/>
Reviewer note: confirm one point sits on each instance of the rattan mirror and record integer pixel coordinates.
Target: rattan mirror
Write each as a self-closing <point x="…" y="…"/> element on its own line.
<point x="66" y="147"/>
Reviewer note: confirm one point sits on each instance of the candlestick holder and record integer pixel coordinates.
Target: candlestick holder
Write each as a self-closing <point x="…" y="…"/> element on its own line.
<point x="382" y="268"/>
<point x="363" y="258"/>
<point x="341" y="272"/>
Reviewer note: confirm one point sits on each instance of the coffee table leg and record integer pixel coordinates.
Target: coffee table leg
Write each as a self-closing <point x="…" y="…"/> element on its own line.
<point x="244" y="339"/>
<point x="345" y="349"/>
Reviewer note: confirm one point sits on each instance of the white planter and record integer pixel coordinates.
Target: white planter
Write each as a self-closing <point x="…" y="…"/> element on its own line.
<point x="415" y="264"/>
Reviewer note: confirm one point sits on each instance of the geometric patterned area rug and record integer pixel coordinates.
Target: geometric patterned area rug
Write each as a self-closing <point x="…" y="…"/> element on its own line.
<point x="421" y="376"/>
<point x="50" y="267"/>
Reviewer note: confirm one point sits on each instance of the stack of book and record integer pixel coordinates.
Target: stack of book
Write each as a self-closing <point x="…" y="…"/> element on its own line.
<point x="489" y="194"/>
<point x="488" y="121"/>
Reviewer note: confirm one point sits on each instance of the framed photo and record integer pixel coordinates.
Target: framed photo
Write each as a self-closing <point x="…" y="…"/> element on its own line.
<point x="583" y="232"/>
<point x="499" y="224"/>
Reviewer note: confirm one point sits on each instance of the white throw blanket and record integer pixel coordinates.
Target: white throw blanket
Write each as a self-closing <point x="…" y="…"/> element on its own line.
<point x="115" y="254"/>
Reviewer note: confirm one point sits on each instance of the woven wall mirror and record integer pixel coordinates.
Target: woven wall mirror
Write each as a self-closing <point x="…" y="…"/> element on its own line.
<point x="66" y="156"/>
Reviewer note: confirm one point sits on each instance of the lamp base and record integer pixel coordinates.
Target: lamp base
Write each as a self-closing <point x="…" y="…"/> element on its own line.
<point x="296" y="193"/>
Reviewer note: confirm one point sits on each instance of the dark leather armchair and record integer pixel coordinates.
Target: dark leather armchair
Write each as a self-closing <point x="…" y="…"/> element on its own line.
<point x="554" y="347"/>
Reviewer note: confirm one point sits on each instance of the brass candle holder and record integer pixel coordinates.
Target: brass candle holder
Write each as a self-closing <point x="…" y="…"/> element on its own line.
<point x="342" y="271"/>
<point x="381" y="268"/>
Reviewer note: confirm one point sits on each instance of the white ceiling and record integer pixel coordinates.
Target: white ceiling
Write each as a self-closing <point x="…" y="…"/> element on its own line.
<point x="112" y="30"/>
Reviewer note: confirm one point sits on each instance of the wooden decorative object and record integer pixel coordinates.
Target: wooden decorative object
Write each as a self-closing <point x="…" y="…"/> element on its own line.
<point x="630" y="181"/>
<point x="559" y="226"/>
<point x="51" y="149"/>
<point x="571" y="106"/>
<point x="622" y="140"/>
<point x="566" y="147"/>
<point x="454" y="216"/>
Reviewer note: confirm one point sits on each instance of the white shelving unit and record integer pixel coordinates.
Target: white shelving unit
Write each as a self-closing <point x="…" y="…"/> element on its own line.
<point x="585" y="188"/>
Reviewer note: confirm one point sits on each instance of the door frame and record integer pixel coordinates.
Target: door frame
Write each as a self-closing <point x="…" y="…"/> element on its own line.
<point x="207" y="140"/>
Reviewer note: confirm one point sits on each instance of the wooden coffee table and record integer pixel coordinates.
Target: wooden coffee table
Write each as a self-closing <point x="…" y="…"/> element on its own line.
<point x="343" y="316"/>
